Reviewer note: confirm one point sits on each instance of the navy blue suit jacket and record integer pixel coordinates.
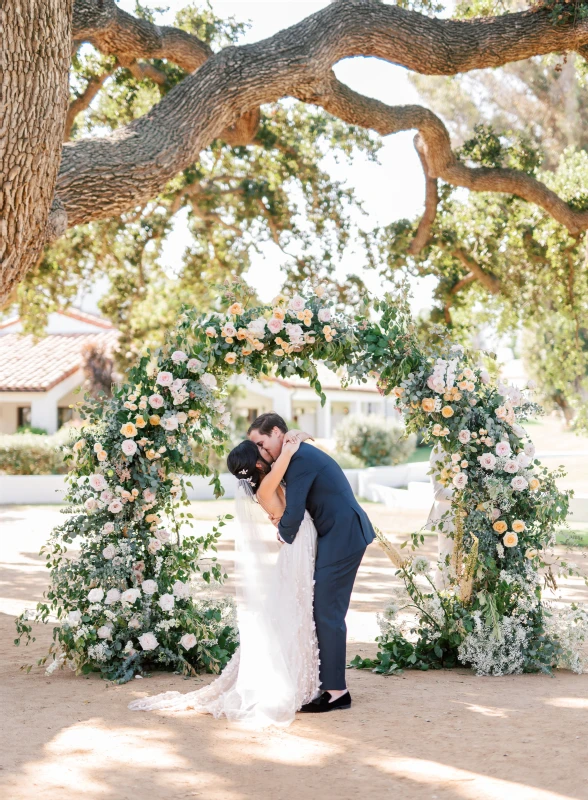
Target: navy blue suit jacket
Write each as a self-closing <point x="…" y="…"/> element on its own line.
<point x="314" y="481"/>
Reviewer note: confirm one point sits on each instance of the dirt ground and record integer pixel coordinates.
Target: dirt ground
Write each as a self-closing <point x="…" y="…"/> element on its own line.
<point x="440" y="735"/>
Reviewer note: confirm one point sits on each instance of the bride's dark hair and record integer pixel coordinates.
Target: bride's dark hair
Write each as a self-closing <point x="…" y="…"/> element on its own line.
<point x="242" y="462"/>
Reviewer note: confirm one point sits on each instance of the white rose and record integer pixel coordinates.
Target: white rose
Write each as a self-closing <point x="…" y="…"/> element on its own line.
<point x="275" y="325"/>
<point x="115" y="507"/>
<point x="518" y="429"/>
<point x="511" y="466"/>
<point x="163" y="535"/>
<point x="464" y="436"/>
<point x="98" y="482"/>
<point x="488" y="461"/>
<point x="164" y="379"/>
<point x="495" y="513"/>
<point x="297" y="303"/>
<point x="523" y="460"/>
<point x="195" y="365"/>
<point x="257" y="327"/>
<point x="224" y="420"/>
<point x="530" y="449"/>
<point x="148" y="641"/>
<point x="460" y="480"/>
<point x="169" y="423"/>
<point x="156" y="401"/>
<point x="90" y="504"/>
<point x="182" y="417"/>
<point x="188" y="641"/>
<point x="518" y="483"/>
<point x="166" y="602"/>
<point x="295" y="333"/>
<point x="324" y="315"/>
<point x="96" y="595"/>
<point x="108" y="527"/>
<point x="178" y="356"/>
<point x="106" y="496"/>
<point x="485" y="376"/>
<point x="134" y="623"/>
<point x="149" y="587"/>
<point x="503" y="449"/>
<point x="208" y="380"/>
<point x="181" y="590"/>
<point x="105" y="632"/>
<point x="153" y="546"/>
<point x="74" y="617"/>
<point x="109" y="551"/>
<point x="112" y="596"/>
<point x="129" y="447"/>
<point x="130" y="596"/>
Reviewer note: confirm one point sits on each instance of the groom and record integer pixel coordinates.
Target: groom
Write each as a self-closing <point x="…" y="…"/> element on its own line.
<point x="314" y="481"/>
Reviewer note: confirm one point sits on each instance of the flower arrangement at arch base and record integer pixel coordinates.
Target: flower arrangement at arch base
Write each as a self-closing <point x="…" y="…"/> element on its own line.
<point x="125" y="601"/>
<point x="505" y="511"/>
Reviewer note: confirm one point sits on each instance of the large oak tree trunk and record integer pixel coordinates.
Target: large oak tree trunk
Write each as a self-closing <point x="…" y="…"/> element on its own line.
<point x="34" y="67"/>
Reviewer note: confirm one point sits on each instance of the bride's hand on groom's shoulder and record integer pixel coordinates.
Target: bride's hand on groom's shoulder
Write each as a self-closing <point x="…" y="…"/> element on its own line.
<point x="290" y="446"/>
<point x="297" y="436"/>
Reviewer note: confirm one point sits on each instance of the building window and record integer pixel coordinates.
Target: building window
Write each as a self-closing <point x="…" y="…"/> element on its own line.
<point x="64" y="415"/>
<point x="24" y="416"/>
<point x="252" y="415"/>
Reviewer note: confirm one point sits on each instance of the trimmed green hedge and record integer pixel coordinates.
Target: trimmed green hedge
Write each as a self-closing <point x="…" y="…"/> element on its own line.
<point x="32" y="454"/>
<point x="374" y="440"/>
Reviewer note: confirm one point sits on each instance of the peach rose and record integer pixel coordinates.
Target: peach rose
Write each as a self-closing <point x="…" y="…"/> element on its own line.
<point x="534" y="484"/>
<point x="428" y="404"/>
<point x="518" y="526"/>
<point x="236" y="309"/>
<point x="128" y="429"/>
<point x="510" y="539"/>
<point x="500" y="526"/>
<point x="140" y="422"/>
<point x="447" y="412"/>
<point x="230" y="358"/>
<point x="154" y="419"/>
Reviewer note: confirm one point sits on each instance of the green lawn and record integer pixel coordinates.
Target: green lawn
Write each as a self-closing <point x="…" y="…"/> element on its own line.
<point x="420" y="454"/>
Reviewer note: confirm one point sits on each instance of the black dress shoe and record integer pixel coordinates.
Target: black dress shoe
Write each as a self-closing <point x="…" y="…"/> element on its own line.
<point x="323" y="703"/>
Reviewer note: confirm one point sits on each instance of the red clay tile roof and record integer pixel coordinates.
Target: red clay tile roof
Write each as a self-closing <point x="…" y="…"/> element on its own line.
<point x="29" y="366"/>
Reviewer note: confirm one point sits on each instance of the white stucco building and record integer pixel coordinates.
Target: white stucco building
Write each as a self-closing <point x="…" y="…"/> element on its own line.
<point x="37" y="378"/>
<point x="37" y="381"/>
<point x="296" y="401"/>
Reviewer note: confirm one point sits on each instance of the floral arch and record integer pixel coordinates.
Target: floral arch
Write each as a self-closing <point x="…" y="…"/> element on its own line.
<point x="125" y="604"/>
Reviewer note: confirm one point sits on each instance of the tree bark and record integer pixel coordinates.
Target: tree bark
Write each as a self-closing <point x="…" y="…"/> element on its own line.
<point x="34" y="70"/>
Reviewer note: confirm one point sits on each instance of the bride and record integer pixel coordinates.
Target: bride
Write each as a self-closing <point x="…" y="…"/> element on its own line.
<point x="275" y="670"/>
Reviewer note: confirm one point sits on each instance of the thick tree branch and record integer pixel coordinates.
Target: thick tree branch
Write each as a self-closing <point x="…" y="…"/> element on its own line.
<point x="104" y="177"/>
<point x="441" y="162"/>
<point x="83" y="100"/>
<point x="423" y="233"/>
<point x="488" y="281"/>
<point x="114" y="32"/>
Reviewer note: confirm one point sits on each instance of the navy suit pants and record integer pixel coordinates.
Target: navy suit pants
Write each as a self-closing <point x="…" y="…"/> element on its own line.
<point x="332" y="593"/>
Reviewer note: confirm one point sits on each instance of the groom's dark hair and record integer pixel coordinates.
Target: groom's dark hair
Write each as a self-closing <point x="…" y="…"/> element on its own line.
<point x="265" y="424"/>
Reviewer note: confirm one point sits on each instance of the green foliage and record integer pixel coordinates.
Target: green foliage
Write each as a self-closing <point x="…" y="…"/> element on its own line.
<point x="30" y="453"/>
<point x="374" y="440"/>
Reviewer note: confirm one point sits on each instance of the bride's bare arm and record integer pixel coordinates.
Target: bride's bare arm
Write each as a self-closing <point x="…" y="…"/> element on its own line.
<point x="272" y="480"/>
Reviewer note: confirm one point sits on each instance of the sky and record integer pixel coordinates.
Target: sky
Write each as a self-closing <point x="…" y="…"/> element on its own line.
<point x="390" y="190"/>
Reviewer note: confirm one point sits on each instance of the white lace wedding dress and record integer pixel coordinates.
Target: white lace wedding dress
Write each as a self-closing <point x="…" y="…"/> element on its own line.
<point x="275" y="669"/>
